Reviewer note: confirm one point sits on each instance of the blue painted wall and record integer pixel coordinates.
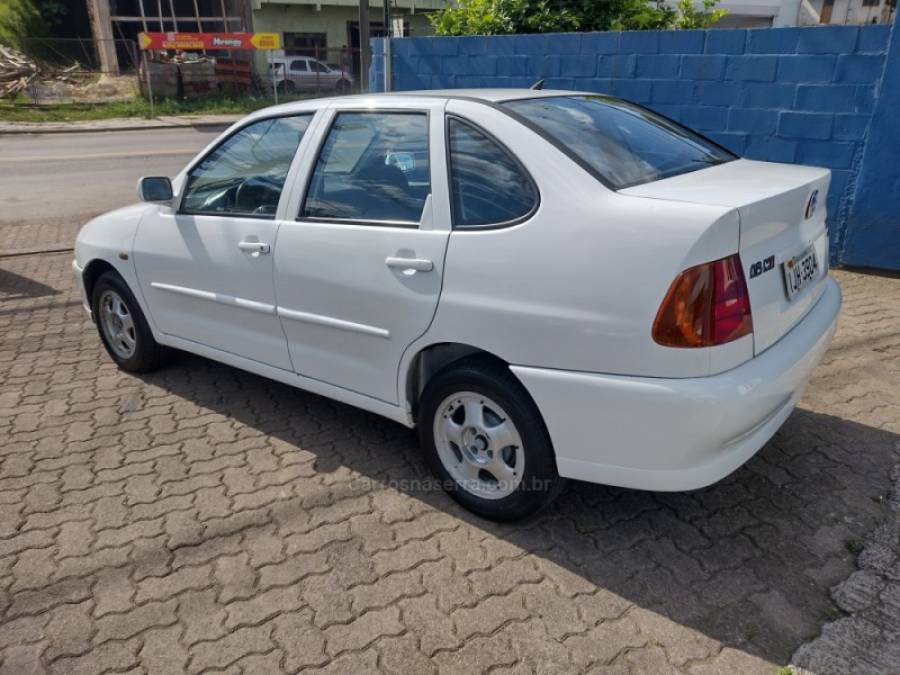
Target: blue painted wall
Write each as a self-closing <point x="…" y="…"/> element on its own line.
<point x="872" y="236"/>
<point x="805" y="95"/>
<point x="376" y="68"/>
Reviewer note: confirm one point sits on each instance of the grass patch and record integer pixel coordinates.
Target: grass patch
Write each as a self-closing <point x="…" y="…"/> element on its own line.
<point x="16" y="111"/>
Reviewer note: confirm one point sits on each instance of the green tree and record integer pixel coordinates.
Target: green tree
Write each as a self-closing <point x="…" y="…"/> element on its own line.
<point x="499" y="17"/>
<point x="642" y="15"/>
<point x="690" y="18"/>
<point x="19" y="19"/>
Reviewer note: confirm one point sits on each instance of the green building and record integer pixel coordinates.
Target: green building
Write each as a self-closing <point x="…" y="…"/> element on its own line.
<point x="329" y="29"/>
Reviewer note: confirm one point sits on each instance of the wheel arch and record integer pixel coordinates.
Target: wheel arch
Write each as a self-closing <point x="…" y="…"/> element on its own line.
<point x="92" y="272"/>
<point x="101" y="264"/>
<point x="429" y="360"/>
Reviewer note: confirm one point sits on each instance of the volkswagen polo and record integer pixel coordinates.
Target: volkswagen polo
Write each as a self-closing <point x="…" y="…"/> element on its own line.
<point x="546" y="284"/>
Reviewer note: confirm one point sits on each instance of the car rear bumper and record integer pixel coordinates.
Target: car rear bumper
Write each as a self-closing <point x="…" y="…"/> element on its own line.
<point x="678" y="434"/>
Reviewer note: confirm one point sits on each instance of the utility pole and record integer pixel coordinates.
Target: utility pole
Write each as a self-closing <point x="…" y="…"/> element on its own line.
<point x="364" y="44"/>
<point x="101" y="27"/>
<point x="386" y="50"/>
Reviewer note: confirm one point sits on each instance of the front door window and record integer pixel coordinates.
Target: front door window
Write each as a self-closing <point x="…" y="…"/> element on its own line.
<point x="245" y="174"/>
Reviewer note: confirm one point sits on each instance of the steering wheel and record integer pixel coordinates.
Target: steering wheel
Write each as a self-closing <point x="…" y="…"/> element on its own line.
<point x="241" y="193"/>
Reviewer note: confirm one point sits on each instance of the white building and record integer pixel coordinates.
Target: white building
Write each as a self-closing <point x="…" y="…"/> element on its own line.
<point x="764" y="13"/>
<point x="854" y="11"/>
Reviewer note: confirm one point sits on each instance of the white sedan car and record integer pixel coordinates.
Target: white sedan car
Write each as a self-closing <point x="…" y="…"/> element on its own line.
<point x="546" y="284"/>
<point x="306" y="74"/>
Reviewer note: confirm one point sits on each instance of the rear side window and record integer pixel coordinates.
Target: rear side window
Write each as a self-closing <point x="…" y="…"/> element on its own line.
<point x="621" y="143"/>
<point x="373" y="167"/>
<point x="487" y="185"/>
<point x="244" y="175"/>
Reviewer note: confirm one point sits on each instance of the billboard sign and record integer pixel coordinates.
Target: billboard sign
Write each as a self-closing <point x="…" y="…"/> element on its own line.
<point x="197" y="41"/>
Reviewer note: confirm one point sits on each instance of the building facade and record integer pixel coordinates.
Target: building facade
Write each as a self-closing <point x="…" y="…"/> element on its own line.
<point x="854" y="11"/>
<point x="329" y="29"/>
<point x="779" y="13"/>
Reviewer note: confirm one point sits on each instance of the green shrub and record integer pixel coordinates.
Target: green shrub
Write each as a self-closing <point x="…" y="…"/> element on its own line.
<point x="502" y="17"/>
<point x="19" y="19"/>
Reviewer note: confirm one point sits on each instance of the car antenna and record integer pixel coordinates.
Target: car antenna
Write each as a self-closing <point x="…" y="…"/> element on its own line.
<point x="537" y="86"/>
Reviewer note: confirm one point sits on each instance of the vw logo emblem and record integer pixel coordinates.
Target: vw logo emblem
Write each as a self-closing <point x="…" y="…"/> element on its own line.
<point x="811" y="204"/>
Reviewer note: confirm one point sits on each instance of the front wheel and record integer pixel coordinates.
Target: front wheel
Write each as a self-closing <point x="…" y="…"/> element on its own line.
<point x="122" y="326"/>
<point x="486" y="441"/>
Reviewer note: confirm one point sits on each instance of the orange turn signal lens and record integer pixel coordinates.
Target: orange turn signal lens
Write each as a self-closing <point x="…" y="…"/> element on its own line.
<point x="706" y="305"/>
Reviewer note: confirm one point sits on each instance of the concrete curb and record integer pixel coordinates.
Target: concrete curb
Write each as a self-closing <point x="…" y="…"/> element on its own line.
<point x="118" y="124"/>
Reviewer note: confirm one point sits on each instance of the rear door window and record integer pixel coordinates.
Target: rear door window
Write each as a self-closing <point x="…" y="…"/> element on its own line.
<point x="620" y="143"/>
<point x="373" y="167"/>
<point x="488" y="186"/>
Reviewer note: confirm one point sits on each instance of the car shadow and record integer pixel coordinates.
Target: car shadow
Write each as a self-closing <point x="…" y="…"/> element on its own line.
<point x="18" y="287"/>
<point x="747" y="561"/>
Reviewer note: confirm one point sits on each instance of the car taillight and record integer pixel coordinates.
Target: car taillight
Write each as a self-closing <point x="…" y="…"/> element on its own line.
<point x="706" y="305"/>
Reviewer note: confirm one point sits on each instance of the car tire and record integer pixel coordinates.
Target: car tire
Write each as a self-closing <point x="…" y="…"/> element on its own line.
<point x="286" y="87"/>
<point x="342" y="87"/>
<point x="123" y="328"/>
<point x="486" y="441"/>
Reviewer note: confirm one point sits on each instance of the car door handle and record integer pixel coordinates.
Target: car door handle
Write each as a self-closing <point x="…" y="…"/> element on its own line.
<point x="257" y="247"/>
<point x="418" y="264"/>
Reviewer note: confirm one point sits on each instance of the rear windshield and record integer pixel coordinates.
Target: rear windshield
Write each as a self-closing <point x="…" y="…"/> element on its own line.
<point x="622" y="144"/>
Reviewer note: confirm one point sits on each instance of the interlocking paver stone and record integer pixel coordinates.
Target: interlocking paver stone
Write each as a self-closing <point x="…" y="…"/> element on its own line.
<point x="233" y="646"/>
<point x="136" y="620"/>
<point x="200" y="517"/>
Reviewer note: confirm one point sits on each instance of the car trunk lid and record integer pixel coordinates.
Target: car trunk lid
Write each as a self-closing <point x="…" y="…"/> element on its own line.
<point x="776" y="224"/>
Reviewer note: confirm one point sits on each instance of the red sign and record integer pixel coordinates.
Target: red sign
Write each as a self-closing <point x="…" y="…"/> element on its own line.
<point x="196" y="41"/>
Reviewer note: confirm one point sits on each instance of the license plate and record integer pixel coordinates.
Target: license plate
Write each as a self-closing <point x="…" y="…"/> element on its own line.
<point x="800" y="271"/>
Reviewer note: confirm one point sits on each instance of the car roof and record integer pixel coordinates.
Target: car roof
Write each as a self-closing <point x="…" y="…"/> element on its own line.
<point x="488" y="96"/>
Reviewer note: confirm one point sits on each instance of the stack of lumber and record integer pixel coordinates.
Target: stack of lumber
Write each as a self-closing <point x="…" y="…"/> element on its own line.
<point x="16" y="71"/>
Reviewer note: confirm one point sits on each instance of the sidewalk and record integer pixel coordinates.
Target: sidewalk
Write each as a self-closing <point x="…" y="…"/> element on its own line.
<point x="118" y="124"/>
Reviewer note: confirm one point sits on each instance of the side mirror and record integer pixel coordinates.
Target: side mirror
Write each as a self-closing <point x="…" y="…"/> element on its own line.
<point x="154" y="189"/>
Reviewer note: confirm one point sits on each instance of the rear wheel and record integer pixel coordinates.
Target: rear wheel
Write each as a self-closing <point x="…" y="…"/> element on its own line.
<point x="342" y="87"/>
<point x="123" y="329"/>
<point x="485" y="440"/>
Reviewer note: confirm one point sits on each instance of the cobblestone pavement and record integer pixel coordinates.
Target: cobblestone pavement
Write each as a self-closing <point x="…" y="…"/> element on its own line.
<point x="204" y="519"/>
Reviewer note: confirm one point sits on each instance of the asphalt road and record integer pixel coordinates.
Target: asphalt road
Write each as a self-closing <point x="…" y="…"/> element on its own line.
<point x="50" y="184"/>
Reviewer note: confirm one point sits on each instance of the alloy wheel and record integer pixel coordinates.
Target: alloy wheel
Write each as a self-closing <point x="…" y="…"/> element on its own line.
<point x="479" y="445"/>
<point x="117" y="324"/>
